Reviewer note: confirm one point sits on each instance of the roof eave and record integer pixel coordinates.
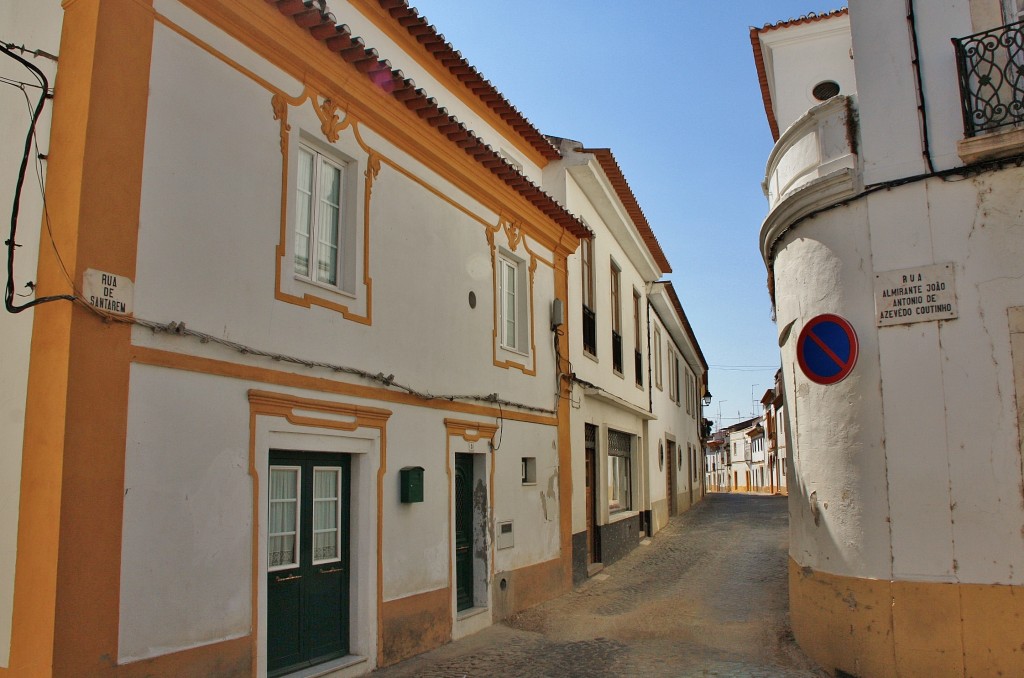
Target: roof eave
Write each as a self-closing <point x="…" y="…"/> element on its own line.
<point x="321" y="26"/>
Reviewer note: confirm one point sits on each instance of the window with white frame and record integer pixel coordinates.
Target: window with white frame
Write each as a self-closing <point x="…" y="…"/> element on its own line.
<point x="686" y="389"/>
<point x="673" y="377"/>
<point x="319" y="213"/>
<point x="671" y="370"/>
<point x="1013" y="10"/>
<point x="638" y="356"/>
<point x="615" y="274"/>
<point x="326" y="515"/>
<point x="589" y="306"/>
<point x="619" y="471"/>
<point x="691" y="394"/>
<point x="283" y="527"/>
<point x="508" y="288"/>
<point x="657" y="357"/>
<point x="529" y="470"/>
<point x="513" y="303"/>
<point x="696" y="394"/>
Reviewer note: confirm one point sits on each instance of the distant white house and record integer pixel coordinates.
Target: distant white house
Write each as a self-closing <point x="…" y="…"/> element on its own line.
<point x="637" y="372"/>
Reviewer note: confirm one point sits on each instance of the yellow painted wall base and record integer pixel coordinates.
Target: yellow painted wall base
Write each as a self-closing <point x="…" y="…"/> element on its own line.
<point x="416" y="624"/>
<point x="228" y="658"/>
<point x="528" y="586"/>
<point x="875" y="629"/>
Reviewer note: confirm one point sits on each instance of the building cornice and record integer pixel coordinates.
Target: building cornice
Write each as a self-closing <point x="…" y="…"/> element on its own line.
<point x="428" y="47"/>
<point x="815" y="195"/>
<point x="314" y="49"/>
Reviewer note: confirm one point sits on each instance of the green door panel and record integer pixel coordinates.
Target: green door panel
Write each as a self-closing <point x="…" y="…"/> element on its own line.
<point x="464" y="531"/>
<point x="307" y="602"/>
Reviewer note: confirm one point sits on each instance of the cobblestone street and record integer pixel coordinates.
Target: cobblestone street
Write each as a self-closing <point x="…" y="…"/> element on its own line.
<point x="705" y="597"/>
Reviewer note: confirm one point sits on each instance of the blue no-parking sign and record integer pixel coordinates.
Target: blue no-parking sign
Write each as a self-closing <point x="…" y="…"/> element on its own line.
<point x="827" y="349"/>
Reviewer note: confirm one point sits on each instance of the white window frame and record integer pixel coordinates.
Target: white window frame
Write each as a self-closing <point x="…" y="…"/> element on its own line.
<point x="674" y="384"/>
<point x="686" y="388"/>
<point x="1013" y="10"/>
<point x="298" y="518"/>
<point x="614" y="461"/>
<point x="615" y="293"/>
<point x="529" y="470"/>
<point x="638" y="336"/>
<point x="317" y="225"/>
<point x="587" y="273"/>
<point x="514" y="337"/>
<point x="337" y="516"/>
<point x="657" y="359"/>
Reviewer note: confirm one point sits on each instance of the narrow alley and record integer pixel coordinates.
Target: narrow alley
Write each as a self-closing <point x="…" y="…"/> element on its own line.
<point x="706" y="597"/>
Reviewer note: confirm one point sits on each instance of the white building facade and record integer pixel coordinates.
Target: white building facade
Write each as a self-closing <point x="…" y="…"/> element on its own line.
<point x="774" y="422"/>
<point x="288" y="378"/>
<point x="678" y="390"/>
<point x="305" y="409"/>
<point x="636" y="369"/>
<point x="893" y="240"/>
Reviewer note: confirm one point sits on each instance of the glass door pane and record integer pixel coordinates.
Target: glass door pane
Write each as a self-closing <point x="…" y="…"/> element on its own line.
<point x="303" y="211"/>
<point x="330" y="213"/>
<point x="282" y="529"/>
<point x="326" y="516"/>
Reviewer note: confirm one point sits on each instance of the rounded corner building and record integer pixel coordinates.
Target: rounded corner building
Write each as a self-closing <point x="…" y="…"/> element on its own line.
<point x="894" y="243"/>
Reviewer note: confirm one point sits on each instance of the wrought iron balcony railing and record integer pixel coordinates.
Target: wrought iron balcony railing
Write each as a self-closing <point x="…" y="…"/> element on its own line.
<point x="616" y="352"/>
<point x="589" y="331"/>
<point x="991" y="68"/>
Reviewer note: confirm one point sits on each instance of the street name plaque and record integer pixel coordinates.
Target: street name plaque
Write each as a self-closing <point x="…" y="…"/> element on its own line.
<point x="914" y="295"/>
<point x="108" y="292"/>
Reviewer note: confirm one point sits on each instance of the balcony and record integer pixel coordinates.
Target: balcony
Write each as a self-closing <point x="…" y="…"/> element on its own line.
<point x="990" y="66"/>
<point x="991" y="69"/>
<point x="616" y="351"/>
<point x="813" y="165"/>
<point x="589" y="331"/>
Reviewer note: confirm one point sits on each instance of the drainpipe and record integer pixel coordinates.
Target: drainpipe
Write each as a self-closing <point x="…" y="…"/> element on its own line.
<point x="922" y="109"/>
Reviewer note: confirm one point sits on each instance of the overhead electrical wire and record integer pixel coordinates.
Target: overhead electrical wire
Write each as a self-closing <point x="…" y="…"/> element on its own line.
<point x="177" y="328"/>
<point x="389" y="381"/>
<point x="11" y="242"/>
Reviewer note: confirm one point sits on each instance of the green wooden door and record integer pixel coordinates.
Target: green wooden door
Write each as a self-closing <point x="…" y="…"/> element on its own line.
<point x="307" y="559"/>
<point x="464" y="531"/>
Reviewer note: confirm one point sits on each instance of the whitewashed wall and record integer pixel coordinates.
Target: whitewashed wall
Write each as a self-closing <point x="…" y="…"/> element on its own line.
<point x="890" y="127"/>
<point x="36" y="26"/>
<point x="673" y="420"/>
<point x="606" y="249"/>
<point x="210" y="223"/>
<point x="799" y="57"/>
<point x="916" y="454"/>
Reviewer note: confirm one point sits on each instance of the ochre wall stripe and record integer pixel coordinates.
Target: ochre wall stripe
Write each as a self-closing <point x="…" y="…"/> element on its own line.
<point x="564" y="429"/>
<point x="102" y="98"/>
<point x="69" y="535"/>
<point x="189" y="363"/>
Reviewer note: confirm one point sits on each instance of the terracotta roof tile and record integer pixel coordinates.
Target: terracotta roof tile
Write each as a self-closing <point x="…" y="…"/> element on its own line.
<point x="809" y="18"/>
<point x="686" y="326"/>
<point x="435" y="44"/>
<point x="338" y="39"/>
<point x="614" y="172"/>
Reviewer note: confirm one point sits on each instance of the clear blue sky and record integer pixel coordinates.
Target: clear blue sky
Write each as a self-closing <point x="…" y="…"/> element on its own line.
<point x="670" y="86"/>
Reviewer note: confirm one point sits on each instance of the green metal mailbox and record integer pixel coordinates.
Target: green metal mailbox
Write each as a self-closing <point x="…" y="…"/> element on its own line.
<point x="411" y="480"/>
